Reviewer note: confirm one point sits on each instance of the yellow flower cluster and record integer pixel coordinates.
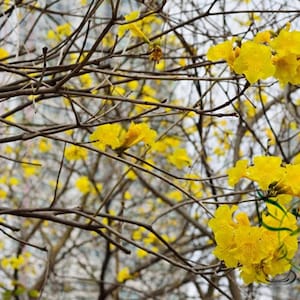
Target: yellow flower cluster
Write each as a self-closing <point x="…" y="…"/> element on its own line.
<point x="123" y="275"/>
<point x="60" y="32"/>
<point x="117" y="138"/>
<point x="84" y="185"/>
<point x="270" y="175"/>
<point x="73" y="152"/>
<point x="265" y="56"/>
<point x="133" y="26"/>
<point x="15" y="262"/>
<point x="260" y="253"/>
<point x="171" y="148"/>
<point x="141" y="28"/>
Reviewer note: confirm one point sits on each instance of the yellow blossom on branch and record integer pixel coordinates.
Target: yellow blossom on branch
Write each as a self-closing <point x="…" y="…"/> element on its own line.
<point x="270" y="174"/>
<point x="287" y="42"/>
<point x="222" y="51"/>
<point x="259" y="252"/>
<point x="123" y="275"/>
<point x="133" y="26"/>
<point x="32" y="168"/>
<point x="117" y="138"/>
<point x="107" y="135"/>
<point x="254" y="61"/>
<point x="60" y="32"/>
<point x="138" y="133"/>
<point x="180" y="158"/>
<point x="73" y="152"/>
<point x="237" y="172"/>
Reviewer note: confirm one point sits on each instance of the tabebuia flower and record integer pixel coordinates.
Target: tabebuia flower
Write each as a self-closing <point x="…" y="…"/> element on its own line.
<point x="270" y="174"/>
<point x="254" y="61"/>
<point x="266" y="55"/>
<point x="117" y="138"/>
<point x="259" y="252"/>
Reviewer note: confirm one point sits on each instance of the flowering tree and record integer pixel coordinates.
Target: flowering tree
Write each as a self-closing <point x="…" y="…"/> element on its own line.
<point x="149" y="149"/>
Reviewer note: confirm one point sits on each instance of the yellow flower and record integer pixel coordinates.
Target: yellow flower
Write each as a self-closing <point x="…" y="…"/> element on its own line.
<point x="259" y="253"/>
<point x="123" y="275"/>
<point x="137" y="235"/>
<point x="254" y="61"/>
<point x="60" y="32"/>
<point x="83" y="184"/>
<point x="237" y="172"/>
<point x="287" y="42"/>
<point x="3" y="194"/>
<point x="223" y="227"/>
<point x="32" y="168"/>
<point x="263" y="37"/>
<point x="175" y="195"/>
<point x="138" y="133"/>
<point x="292" y="179"/>
<point x="222" y="51"/>
<point x="133" y="27"/>
<point x="140" y="253"/>
<point x="3" y="54"/>
<point x="86" y="80"/>
<point x="266" y="170"/>
<point x="44" y="145"/>
<point x="107" y="135"/>
<point x="14" y="262"/>
<point x="127" y="195"/>
<point x="179" y="158"/>
<point x="73" y="152"/>
<point x="286" y="68"/>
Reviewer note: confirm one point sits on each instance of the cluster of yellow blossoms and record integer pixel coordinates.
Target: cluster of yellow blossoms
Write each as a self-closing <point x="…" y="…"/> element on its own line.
<point x="259" y="252"/>
<point x="268" y="54"/>
<point x="270" y="174"/>
<point x="117" y="138"/>
<point x="265" y="250"/>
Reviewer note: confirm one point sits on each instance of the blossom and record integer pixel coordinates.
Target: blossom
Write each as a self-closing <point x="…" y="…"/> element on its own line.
<point x="223" y="227"/>
<point x="133" y="27"/>
<point x="286" y="68"/>
<point x="31" y="168"/>
<point x="265" y="170"/>
<point x="179" y="158"/>
<point x="237" y="172"/>
<point x="73" y="152"/>
<point x="263" y="37"/>
<point x="260" y="252"/>
<point x="44" y="145"/>
<point x="287" y="42"/>
<point x="107" y="135"/>
<point x="138" y="133"/>
<point x="123" y="275"/>
<point x="3" y="54"/>
<point x="140" y="253"/>
<point x="292" y="179"/>
<point x="254" y="61"/>
<point x="117" y="138"/>
<point x="175" y="195"/>
<point x="60" y="32"/>
<point x="222" y="51"/>
<point x="83" y="184"/>
<point x="86" y="80"/>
